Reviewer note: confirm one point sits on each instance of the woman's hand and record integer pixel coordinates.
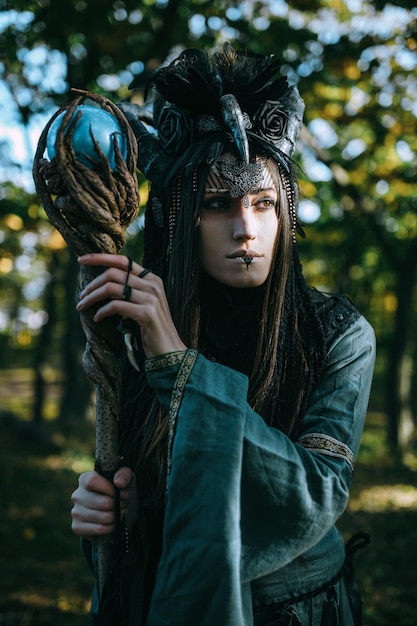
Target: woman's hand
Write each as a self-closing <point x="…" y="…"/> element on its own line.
<point x="94" y="503"/>
<point x="122" y="292"/>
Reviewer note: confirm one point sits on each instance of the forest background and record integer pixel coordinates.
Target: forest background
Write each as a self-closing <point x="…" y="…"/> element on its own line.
<point x="355" y="63"/>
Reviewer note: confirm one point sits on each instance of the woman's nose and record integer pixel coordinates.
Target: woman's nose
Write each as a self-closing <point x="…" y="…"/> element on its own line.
<point x="244" y="222"/>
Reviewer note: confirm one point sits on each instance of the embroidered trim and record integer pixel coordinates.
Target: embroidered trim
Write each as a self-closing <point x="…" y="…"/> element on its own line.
<point x="187" y="363"/>
<point x="327" y="445"/>
<point x="165" y="360"/>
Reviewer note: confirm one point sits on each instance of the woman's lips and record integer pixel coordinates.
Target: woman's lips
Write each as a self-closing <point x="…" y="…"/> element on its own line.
<point x="240" y="254"/>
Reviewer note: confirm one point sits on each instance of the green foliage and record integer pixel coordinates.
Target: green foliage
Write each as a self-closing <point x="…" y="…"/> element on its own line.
<point x="356" y="68"/>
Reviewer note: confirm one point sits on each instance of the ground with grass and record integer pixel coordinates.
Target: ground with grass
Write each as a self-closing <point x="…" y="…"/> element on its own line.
<point x="44" y="581"/>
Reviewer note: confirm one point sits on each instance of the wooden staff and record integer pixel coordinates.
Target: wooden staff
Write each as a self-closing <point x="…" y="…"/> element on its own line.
<point x="91" y="207"/>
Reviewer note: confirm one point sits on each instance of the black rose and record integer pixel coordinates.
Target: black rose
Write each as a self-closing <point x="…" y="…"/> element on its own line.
<point x="174" y="129"/>
<point x="270" y="121"/>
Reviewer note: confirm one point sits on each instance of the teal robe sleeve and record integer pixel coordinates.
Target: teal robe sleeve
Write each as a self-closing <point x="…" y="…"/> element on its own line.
<point x="243" y="500"/>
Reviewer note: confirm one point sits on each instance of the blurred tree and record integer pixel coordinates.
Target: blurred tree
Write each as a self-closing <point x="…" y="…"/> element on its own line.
<point x="356" y="65"/>
<point x="26" y="287"/>
<point x="361" y="125"/>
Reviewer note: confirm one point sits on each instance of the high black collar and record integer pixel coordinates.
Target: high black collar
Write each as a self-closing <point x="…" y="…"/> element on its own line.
<point x="230" y="319"/>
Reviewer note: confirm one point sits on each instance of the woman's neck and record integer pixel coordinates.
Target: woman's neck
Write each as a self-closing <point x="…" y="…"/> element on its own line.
<point x="230" y="322"/>
<point x="210" y="289"/>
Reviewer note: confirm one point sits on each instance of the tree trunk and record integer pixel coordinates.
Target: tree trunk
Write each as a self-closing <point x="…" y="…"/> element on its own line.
<point x="399" y="371"/>
<point x="44" y="341"/>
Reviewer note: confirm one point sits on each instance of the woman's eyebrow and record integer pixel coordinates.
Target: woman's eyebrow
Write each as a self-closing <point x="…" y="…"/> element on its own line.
<point x="223" y="191"/>
<point x="254" y="192"/>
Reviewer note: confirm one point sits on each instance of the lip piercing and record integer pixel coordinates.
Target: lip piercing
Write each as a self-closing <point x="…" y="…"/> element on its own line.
<point x="247" y="260"/>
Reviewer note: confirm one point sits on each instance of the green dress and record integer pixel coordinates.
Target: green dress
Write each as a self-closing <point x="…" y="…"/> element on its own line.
<point x="250" y="515"/>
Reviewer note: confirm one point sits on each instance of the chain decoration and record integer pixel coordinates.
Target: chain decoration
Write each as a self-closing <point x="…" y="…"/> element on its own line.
<point x="291" y="204"/>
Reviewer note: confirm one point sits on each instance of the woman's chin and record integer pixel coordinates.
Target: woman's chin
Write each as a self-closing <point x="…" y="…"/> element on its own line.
<point x="244" y="279"/>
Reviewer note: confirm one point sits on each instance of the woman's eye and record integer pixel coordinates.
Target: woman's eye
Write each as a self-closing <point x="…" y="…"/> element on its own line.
<point x="216" y="204"/>
<point x="265" y="204"/>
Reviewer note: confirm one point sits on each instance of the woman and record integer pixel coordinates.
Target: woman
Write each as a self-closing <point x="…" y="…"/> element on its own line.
<point x="245" y="391"/>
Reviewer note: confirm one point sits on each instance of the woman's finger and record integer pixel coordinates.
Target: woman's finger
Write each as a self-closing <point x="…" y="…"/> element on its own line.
<point x="115" y="276"/>
<point x="110" y="289"/>
<point x="94" y="502"/>
<point x="97" y="259"/>
<point x="112" y="275"/>
<point x="86" y="526"/>
<point x="92" y="481"/>
<point x="126" y="290"/>
<point x="117" y="261"/>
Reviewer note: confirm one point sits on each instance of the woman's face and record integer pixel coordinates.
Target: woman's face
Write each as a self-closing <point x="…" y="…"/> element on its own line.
<point x="237" y="234"/>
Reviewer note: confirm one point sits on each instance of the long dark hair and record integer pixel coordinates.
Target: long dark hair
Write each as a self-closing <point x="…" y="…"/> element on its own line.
<point x="290" y="344"/>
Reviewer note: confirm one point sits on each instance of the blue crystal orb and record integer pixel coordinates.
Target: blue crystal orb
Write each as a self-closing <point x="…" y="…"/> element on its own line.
<point x="94" y="122"/>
